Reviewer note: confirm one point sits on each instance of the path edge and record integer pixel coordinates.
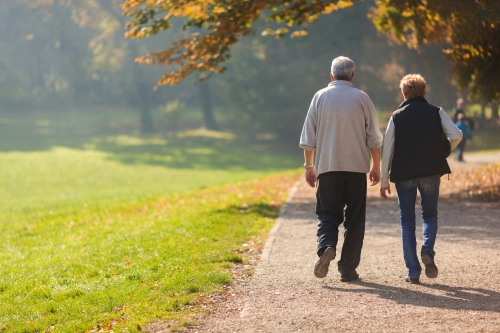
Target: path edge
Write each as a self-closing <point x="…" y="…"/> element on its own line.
<point x="277" y="223"/>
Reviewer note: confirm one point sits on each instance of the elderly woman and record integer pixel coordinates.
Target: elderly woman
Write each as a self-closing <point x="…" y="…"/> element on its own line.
<point x="416" y="158"/>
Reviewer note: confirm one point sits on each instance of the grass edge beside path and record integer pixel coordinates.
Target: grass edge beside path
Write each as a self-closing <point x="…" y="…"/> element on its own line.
<point x="132" y="264"/>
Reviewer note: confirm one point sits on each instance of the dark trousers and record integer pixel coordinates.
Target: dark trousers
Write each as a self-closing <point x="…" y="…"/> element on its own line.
<point x="341" y="198"/>
<point x="460" y="150"/>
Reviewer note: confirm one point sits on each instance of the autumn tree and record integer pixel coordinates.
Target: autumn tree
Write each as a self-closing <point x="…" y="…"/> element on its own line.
<point x="269" y="83"/>
<point x="468" y="31"/>
<point x="63" y="53"/>
<point x="221" y="24"/>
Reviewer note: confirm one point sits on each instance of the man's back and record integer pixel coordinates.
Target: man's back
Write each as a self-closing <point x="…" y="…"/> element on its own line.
<point x="342" y="125"/>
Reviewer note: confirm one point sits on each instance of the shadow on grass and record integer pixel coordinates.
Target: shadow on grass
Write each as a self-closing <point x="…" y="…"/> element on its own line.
<point x="113" y="136"/>
<point x="39" y="131"/>
<point x="455" y="298"/>
<point x="260" y="209"/>
<point x="200" y="152"/>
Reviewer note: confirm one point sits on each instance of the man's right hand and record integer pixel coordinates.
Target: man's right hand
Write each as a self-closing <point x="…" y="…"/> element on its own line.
<point x="311" y="177"/>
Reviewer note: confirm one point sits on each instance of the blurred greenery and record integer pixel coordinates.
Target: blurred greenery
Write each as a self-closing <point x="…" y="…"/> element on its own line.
<point x="73" y="55"/>
<point x="486" y="136"/>
<point x="476" y="111"/>
<point x="77" y="157"/>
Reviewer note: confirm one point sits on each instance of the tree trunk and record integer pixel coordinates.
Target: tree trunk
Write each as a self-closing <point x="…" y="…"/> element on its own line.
<point x="494" y="111"/>
<point x="143" y="90"/>
<point x="145" y="115"/>
<point x="483" y="111"/>
<point x="206" y="106"/>
<point x="144" y="94"/>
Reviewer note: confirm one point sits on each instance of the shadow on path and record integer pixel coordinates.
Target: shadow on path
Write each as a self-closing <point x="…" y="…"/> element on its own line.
<point x="439" y="296"/>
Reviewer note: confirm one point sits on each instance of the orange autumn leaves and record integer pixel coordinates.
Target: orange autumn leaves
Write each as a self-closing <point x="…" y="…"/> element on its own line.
<point x="221" y="24"/>
<point x="482" y="184"/>
<point x="467" y="31"/>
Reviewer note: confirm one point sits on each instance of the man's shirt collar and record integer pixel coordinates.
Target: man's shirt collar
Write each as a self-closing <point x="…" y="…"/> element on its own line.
<point x="340" y="83"/>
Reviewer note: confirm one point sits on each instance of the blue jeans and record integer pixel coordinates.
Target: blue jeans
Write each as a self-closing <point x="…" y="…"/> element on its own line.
<point x="407" y="195"/>
<point x="460" y="149"/>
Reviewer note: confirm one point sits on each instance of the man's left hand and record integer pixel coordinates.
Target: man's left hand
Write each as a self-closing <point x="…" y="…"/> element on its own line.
<point x="374" y="176"/>
<point x="311" y="177"/>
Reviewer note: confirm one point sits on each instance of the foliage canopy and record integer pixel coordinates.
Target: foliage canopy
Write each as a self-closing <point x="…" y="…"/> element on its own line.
<point x="468" y="31"/>
<point x="224" y="20"/>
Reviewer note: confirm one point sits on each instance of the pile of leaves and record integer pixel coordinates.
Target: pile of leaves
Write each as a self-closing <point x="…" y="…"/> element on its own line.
<point x="479" y="184"/>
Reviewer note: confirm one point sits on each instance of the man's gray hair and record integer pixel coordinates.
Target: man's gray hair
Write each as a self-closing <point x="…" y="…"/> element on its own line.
<point x="342" y="68"/>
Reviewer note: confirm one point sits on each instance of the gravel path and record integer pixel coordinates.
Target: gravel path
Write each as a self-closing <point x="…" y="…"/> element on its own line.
<point x="284" y="295"/>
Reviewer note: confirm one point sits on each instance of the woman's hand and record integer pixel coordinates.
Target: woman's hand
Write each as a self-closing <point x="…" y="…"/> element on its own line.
<point x="382" y="192"/>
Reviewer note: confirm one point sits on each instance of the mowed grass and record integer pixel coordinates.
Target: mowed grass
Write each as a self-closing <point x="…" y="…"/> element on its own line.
<point x="132" y="263"/>
<point x="62" y="179"/>
<point x="107" y="231"/>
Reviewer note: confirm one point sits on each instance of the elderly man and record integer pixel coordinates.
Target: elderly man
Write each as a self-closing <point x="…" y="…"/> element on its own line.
<point x="342" y="127"/>
<point x="414" y="153"/>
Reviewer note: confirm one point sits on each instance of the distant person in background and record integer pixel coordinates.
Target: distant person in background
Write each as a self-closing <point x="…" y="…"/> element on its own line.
<point x="414" y="154"/>
<point x="342" y="127"/>
<point x="459" y="109"/>
<point x="462" y="125"/>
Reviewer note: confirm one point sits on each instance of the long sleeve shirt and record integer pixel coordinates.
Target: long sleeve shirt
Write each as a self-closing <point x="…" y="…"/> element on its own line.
<point x="464" y="127"/>
<point x="449" y="128"/>
<point x="342" y="126"/>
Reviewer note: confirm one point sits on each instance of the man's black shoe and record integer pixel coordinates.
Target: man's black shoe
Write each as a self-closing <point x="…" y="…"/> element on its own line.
<point x="349" y="276"/>
<point x="321" y="267"/>
<point x="431" y="270"/>
<point x="412" y="280"/>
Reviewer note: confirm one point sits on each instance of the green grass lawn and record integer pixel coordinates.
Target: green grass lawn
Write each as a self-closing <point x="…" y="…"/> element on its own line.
<point x="101" y="227"/>
<point x="128" y="263"/>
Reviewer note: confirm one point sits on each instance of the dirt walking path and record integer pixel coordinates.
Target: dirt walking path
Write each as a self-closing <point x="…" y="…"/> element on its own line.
<point x="284" y="295"/>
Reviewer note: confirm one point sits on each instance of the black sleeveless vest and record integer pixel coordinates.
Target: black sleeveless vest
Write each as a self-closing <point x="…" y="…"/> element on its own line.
<point x="418" y="149"/>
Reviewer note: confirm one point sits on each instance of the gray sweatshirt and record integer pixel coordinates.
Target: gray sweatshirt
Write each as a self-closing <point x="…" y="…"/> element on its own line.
<point x="342" y="126"/>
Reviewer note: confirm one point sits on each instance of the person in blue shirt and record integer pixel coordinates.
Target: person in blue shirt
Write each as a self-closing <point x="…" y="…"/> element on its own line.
<point x="462" y="125"/>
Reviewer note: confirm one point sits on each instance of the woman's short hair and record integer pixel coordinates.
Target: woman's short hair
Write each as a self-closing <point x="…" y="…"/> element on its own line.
<point x="413" y="85"/>
<point x="342" y="68"/>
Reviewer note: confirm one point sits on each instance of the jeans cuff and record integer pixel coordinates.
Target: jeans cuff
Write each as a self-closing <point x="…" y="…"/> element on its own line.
<point x="322" y="249"/>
